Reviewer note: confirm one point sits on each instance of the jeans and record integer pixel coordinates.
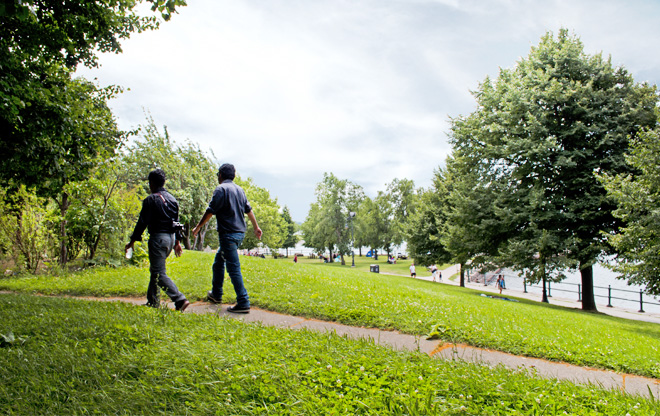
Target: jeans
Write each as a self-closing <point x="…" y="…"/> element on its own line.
<point x="227" y="256"/>
<point x="160" y="246"/>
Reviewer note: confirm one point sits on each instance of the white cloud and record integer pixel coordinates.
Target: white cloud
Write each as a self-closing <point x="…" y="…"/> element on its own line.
<point x="363" y="89"/>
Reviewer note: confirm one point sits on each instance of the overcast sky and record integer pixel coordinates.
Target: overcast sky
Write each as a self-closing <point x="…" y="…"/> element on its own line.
<point x="289" y="89"/>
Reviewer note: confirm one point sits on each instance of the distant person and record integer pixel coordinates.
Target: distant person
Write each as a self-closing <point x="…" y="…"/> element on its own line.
<point x="434" y="272"/>
<point x="500" y="283"/>
<point x="295" y="258"/>
<point x="413" y="274"/>
<point x="439" y="276"/>
<point x="160" y="211"/>
<point x="229" y="204"/>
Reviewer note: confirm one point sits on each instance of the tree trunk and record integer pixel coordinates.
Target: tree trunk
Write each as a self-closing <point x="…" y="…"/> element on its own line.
<point x="343" y="262"/>
<point x="544" y="297"/>
<point x="588" y="298"/>
<point x="64" y="206"/>
<point x="462" y="275"/>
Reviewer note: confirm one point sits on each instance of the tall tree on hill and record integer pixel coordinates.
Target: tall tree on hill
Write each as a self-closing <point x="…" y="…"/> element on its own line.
<point x="290" y="240"/>
<point x="54" y="127"/>
<point x="540" y="132"/>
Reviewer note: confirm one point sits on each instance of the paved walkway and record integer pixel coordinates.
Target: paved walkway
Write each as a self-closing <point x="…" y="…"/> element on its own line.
<point x="631" y="384"/>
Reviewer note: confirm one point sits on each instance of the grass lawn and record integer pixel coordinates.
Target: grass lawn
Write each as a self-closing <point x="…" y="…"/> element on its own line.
<point x="386" y="301"/>
<point x="64" y="356"/>
<point x="363" y="263"/>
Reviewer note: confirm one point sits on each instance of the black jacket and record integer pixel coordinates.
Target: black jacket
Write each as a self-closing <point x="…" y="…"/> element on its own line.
<point x="159" y="211"/>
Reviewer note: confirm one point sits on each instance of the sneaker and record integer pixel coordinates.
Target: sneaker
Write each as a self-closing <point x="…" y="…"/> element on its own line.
<point x="182" y="305"/>
<point x="238" y="309"/>
<point x="211" y="299"/>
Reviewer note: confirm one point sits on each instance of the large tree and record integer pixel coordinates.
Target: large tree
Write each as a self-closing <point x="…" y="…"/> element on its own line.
<point x="54" y="128"/>
<point x="327" y="224"/>
<point x="540" y="132"/>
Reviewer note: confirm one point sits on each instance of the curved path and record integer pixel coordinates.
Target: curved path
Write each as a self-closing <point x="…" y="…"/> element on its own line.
<point x="631" y="384"/>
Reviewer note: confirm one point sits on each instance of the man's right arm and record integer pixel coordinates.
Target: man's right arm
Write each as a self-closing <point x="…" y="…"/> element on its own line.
<point x="205" y="218"/>
<point x="255" y="226"/>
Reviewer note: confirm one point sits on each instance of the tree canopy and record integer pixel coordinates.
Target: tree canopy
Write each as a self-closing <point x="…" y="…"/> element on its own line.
<point x="539" y="133"/>
<point x="326" y="226"/>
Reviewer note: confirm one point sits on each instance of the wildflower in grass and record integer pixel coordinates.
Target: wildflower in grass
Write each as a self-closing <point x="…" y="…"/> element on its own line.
<point x="361" y="368"/>
<point x="420" y="378"/>
<point x="329" y="367"/>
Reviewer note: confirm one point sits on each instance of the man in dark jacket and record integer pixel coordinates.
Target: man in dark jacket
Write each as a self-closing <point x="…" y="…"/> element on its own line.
<point x="160" y="211"/>
<point x="229" y="205"/>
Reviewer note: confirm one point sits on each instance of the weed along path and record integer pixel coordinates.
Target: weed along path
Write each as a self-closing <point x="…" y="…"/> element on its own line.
<point x="631" y="384"/>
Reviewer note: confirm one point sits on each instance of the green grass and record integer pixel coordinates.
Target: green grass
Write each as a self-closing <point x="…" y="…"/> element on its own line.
<point x="395" y="302"/>
<point x="82" y="357"/>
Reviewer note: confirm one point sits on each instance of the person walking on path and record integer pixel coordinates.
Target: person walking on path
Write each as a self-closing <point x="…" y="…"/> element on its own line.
<point x="500" y="283"/>
<point x="434" y="271"/>
<point x="412" y="271"/>
<point x="160" y="212"/>
<point x="229" y="204"/>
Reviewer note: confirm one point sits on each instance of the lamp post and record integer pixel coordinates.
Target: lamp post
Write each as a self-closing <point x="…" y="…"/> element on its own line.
<point x="350" y="218"/>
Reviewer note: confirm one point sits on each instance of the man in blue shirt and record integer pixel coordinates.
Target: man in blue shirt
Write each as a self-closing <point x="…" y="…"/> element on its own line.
<point x="159" y="212"/>
<point x="229" y="204"/>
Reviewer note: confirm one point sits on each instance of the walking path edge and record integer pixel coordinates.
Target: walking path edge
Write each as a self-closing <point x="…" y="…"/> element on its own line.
<point x="628" y="383"/>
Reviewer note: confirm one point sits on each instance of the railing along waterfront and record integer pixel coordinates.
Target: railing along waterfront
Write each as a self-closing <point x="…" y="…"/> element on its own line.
<point x="609" y="293"/>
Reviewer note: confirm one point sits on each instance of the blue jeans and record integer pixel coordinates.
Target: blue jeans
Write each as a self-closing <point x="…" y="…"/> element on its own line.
<point x="160" y="246"/>
<point x="227" y="256"/>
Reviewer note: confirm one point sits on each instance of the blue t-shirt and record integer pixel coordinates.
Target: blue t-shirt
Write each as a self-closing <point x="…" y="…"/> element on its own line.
<point x="229" y="205"/>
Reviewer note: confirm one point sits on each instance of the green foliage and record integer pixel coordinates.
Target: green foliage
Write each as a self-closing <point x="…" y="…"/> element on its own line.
<point x="124" y="359"/>
<point x="191" y="173"/>
<point x="427" y="225"/>
<point x="56" y="128"/>
<point x="539" y="133"/>
<point x="102" y="211"/>
<point x="26" y="226"/>
<point x="638" y="198"/>
<point x="401" y="197"/>
<point x="291" y="239"/>
<point x="326" y="225"/>
<point x="389" y="302"/>
<point x="267" y="212"/>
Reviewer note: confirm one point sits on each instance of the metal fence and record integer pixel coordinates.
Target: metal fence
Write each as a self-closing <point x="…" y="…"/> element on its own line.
<point x="606" y="293"/>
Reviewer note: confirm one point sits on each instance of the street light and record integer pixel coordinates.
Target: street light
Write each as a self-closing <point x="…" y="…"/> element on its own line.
<point x="350" y="218"/>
